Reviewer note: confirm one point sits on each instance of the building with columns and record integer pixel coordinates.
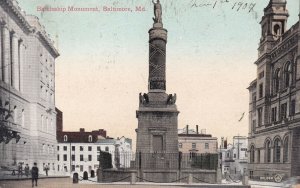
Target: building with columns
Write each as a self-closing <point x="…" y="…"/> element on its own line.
<point x="274" y="107"/>
<point x="27" y="88"/>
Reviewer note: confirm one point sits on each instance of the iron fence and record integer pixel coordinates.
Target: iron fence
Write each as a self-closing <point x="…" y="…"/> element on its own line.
<point x="158" y="161"/>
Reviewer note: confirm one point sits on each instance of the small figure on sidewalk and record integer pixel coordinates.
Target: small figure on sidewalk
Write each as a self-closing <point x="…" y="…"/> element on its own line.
<point x="46" y="169"/>
<point x="20" y="170"/>
<point x="13" y="172"/>
<point x="26" y="169"/>
<point x="34" y="174"/>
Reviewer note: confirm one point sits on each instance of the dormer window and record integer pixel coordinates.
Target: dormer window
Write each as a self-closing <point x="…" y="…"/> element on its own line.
<point x="90" y="138"/>
<point x="65" y="138"/>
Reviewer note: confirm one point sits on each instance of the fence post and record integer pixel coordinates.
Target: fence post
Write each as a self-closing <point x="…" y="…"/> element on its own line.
<point x="133" y="178"/>
<point x="190" y="178"/>
<point x="179" y="160"/>
<point x="140" y="160"/>
<point x="245" y="178"/>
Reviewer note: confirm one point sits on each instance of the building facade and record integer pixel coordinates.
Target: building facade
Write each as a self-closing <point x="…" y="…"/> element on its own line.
<point x="234" y="157"/>
<point x="274" y="114"/>
<point x="190" y="141"/>
<point x="79" y="151"/>
<point x="27" y="88"/>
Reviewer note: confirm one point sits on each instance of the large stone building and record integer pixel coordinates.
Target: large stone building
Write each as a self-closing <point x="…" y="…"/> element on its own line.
<point x="195" y="142"/>
<point x="27" y="88"/>
<point x="274" y="116"/>
<point x="79" y="151"/>
<point x="234" y="157"/>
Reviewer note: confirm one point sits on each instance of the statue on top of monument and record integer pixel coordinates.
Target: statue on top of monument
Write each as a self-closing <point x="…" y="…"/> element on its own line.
<point x="157" y="12"/>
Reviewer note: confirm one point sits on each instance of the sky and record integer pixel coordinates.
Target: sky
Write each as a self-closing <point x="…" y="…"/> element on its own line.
<point x="103" y="63"/>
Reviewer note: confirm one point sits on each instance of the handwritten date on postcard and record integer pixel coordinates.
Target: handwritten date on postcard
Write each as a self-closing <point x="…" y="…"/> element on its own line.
<point x="233" y="4"/>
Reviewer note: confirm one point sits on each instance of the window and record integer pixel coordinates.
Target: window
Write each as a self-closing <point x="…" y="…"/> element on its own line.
<point x="277" y="150"/>
<point x="57" y="157"/>
<point x="180" y="145"/>
<point x="81" y="157"/>
<point x="292" y="108"/>
<point x="65" y="148"/>
<point x="276" y="81"/>
<point x="90" y="157"/>
<point x="252" y="154"/>
<point x="285" y="149"/>
<point x="98" y="157"/>
<point x="81" y="148"/>
<point x="253" y="125"/>
<point x="90" y="138"/>
<point x="288" y="74"/>
<point x="234" y="155"/>
<point x="106" y="148"/>
<point x="73" y="157"/>
<point x="23" y="118"/>
<point x="81" y="168"/>
<point x="254" y="101"/>
<point x="42" y="122"/>
<point x="65" y="138"/>
<point x="268" y="151"/>
<point x="274" y="114"/>
<point x="258" y="155"/>
<point x="206" y="146"/>
<point x="65" y="157"/>
<point x="192" y="155"/>
<point x="283" y="111"/>
<point x="193" y="145"/>
<point x="261" y="75"/>
<point x="90" y="148"/>
<point x="98" y="148"/>
<point x="261" y="92"/>
<point x="259" y="114"/>
<point x="73" y="168"/>
<point x="73" y="148"/>
<point x="57" y="148"/>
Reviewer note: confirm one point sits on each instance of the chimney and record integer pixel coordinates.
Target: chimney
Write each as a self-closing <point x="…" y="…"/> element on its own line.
<point x="81" y="130"/>
<point x="222" y="142"/>
<point x="187" y="129"/>
<point x="225" y="144"/>
<point x="197" y="129"/>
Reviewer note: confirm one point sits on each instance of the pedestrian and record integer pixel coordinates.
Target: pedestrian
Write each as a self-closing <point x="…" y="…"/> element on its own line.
<point x="34" y="174"/>
<point x="20" y="170"/>
<point x="26" y="169"/>
<point x="46" y="169"/>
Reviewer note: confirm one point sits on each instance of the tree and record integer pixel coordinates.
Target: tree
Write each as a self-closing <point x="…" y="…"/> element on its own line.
<point x="6" y="134"/>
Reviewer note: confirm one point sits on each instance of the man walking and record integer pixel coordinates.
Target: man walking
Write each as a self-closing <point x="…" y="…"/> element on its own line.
<point x="20" y="170"/>
<point x="26" y="169"/>
<point x="34" y="174"/>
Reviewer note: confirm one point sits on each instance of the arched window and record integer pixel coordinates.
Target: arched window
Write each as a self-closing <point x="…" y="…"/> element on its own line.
<point x="286" y="149"/>
<point x="252" y="154"/>
<point x="276" y="81"/>
<point x="106" y="148"/>
<point x="23" y="118"/>
<point x="90" y="138"/>
<point x="277" y="30"/>
<point x="277" y="150"/>
<point x="288" y="74"/>
<point x="65" y="138"/>
<point x="268" y="151"/>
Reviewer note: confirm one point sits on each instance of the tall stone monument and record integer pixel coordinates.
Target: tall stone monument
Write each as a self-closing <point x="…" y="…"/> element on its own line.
<point x="157" y="113"/>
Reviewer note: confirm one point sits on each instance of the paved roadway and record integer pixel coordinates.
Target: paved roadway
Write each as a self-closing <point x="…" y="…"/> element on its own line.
<point x="67" y="183"/>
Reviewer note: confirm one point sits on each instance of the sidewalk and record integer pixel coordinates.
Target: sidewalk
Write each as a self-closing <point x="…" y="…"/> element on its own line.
<point x="15" y="177"/>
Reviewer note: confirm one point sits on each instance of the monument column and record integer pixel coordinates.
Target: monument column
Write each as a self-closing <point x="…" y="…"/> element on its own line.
<point x="157" y="58"/>
<point x="157" y="131"/>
